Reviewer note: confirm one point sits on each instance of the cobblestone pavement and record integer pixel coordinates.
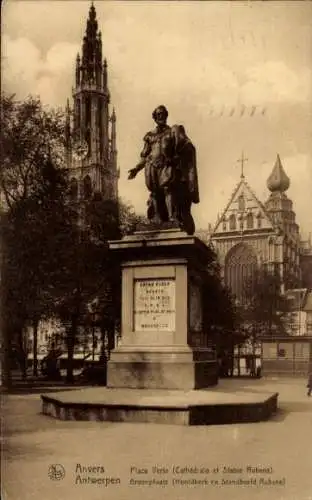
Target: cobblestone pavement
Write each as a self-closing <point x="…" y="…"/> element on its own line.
<point x="160" y="461"/>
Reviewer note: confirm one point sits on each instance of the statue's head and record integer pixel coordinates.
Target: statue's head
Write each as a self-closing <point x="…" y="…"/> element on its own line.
<point x="160" y="115"/>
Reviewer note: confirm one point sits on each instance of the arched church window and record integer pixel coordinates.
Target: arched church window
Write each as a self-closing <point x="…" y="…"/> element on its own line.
<point x="224" y="225"/>
<point x="73" y="189"/>
<point x="78" y="114"/>
<point x="241" y="202"/>
<point x="240" y="271"/>
<point x="241" y="222"/>
<point x="88" y="111"/>
<point x="99" y="112"/>
<point x="259" y="220"/>
<point x="88" y="138"/>
<point x="87" y="187"/>
<point x="250" y="221"/>
<point x="101" y="131"/>
<point x="232" y="221"/>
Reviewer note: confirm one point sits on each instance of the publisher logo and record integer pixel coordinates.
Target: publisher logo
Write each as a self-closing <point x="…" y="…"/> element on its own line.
<point x="56" y="472"/>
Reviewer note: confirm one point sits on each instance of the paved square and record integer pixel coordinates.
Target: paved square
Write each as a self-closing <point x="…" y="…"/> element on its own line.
<point x="267" y="460"/>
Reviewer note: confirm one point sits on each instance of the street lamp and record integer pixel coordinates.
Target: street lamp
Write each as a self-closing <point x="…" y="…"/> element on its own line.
<point x="93" y="316"/>
<point x="92" y="309"/>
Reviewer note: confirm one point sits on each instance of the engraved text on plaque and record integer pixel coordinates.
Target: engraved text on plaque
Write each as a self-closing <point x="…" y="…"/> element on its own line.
<point x="154" y="304"/>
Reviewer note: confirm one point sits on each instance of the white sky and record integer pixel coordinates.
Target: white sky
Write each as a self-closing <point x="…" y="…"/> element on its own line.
<point x="210" y="63"/>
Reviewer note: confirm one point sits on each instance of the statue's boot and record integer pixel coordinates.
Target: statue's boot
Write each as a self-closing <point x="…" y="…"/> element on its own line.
<point x="172" y="217"/>
<point x="151" y="210"/>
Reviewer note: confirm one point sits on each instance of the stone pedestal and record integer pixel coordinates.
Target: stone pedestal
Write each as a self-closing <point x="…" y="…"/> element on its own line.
<point x="160" y="370"/>
<point x="163" y="343"/>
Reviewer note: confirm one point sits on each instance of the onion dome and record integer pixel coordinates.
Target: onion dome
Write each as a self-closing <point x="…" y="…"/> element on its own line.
<point x="278" y="180"/>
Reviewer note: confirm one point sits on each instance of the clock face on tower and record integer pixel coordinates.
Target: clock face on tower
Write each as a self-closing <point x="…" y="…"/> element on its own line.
<point x="80" y="149"/>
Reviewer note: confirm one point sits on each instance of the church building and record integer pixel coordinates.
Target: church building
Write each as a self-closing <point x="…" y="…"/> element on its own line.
<point x="251" y="234"/>
<point x="90" y="126"/>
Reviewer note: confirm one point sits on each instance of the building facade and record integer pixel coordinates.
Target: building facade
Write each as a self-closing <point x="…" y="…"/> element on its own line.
<point x="251" y="234"/>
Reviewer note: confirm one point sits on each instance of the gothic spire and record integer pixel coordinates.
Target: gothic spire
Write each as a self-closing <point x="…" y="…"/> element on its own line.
<point x="92" y="49"/>
<point x="92" y="24"/>
<point x="94" y="127"/>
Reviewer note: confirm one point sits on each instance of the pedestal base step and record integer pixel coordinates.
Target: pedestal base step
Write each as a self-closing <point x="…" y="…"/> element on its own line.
<point x="194" y="407"/>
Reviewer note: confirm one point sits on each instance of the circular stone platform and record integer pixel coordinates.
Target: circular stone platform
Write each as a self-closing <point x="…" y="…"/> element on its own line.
<point x="191" y="407"/>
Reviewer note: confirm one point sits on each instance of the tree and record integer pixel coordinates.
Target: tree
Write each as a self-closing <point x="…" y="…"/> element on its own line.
<point x="129" y="221"/>
<point x="33" y="184"/>
<point x="29" y="134"/>
<point x="221" y="321"/>
<point x="37" y="228"/>
<point x="90" y="275"/>
<point x="81" y="264"/>
<point x="265" y="306"/>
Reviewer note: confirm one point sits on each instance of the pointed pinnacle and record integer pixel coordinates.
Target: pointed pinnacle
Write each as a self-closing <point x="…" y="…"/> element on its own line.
<point x="278" y="179"/>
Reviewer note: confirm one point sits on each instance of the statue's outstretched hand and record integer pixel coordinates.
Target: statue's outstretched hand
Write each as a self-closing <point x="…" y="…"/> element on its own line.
<point x="132" y="173"/>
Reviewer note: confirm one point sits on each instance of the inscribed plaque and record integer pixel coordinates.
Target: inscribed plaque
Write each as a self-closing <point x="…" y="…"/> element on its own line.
<point x="154" y="304"/>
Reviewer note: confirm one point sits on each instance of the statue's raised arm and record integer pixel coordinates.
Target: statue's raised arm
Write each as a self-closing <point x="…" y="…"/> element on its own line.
<point x="144" y="154"/>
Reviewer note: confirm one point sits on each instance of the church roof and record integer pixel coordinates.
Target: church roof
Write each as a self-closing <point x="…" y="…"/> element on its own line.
<point x="243" y="202"/>
<point x="245" y="212"/>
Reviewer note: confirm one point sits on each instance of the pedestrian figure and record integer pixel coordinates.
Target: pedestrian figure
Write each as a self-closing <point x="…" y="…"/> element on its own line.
<point x="309" y="384"/>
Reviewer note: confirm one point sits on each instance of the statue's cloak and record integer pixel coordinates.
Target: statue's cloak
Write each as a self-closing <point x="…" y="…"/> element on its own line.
<point x="186" y="154"/>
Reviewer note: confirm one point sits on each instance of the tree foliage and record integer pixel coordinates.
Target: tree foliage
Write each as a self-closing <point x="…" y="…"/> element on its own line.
<point x="220" y="314"/>
<point x="29" y="134"/>
<point x="88" y="272"/>
<point x="129" y="220"/>
<point x="36" y="217"/>
<point x="55" y="255"/>
<point x="265" y="306"/>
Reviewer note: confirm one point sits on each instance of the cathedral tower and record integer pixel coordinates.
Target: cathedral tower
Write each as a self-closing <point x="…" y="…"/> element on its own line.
<point x="279" y="206"/>
<point x="90" y="129"/>
<point x="280" y="209"/>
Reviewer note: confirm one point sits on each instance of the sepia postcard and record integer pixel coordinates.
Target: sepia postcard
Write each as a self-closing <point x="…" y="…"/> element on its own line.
<point x="156" y="256"/>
